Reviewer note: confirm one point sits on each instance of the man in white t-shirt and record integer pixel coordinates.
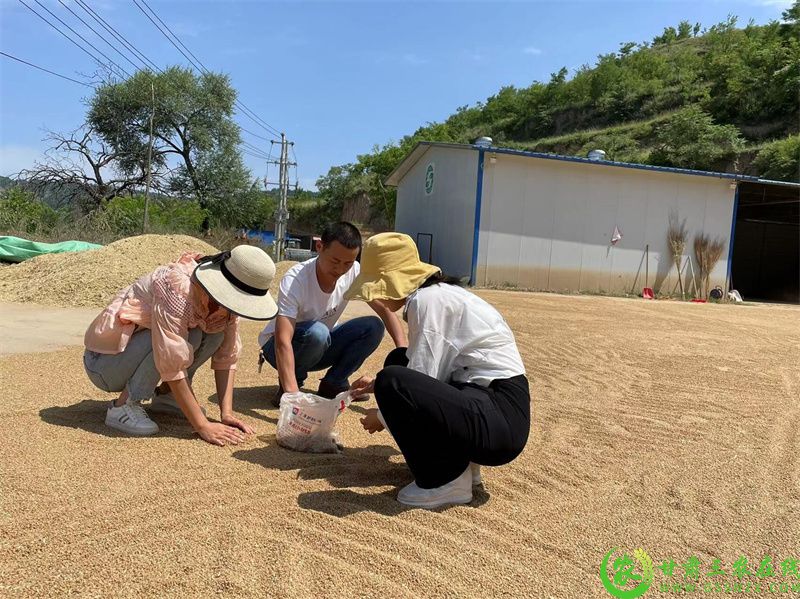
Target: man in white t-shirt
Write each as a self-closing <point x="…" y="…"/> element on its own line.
<point x="304" y="337"/>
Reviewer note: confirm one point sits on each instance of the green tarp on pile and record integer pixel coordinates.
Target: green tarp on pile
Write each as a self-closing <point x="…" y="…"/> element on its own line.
<point x="16" y="249"/>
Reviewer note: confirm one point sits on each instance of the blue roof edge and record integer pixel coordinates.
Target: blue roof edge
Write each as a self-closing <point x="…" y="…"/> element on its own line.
<point x="578" y="159"/>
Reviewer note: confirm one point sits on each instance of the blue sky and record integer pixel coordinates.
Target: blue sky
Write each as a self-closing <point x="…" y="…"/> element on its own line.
<point x="337" y="77"/>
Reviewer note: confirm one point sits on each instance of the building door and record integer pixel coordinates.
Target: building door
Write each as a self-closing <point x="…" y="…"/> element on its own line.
<point x="766" y="243"/>
<point x="425" y="247"/>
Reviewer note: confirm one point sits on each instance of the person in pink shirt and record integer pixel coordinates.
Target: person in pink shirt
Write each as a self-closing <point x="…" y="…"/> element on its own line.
<point x="165" y="326"/>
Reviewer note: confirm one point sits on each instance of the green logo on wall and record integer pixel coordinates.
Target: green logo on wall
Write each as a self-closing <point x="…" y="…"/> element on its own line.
<point x="429" y="179"/>
<point x="624" y="574"/>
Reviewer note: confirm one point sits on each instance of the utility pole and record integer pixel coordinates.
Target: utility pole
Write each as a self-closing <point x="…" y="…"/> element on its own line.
<point x="149" y="157"/>
<point x="282" y="212"/>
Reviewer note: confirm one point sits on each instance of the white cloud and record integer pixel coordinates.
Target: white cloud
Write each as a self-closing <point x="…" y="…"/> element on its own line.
<point x="15" y="158"/>
<point x="532" y="51"/>
<point x="414" y="60"/>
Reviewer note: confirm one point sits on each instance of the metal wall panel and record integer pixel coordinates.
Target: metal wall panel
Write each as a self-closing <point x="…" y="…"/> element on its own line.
<point x="447" y="213"/>
<point x="551" y="223"/>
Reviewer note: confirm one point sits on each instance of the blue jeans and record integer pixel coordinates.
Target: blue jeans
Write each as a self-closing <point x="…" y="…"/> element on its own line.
<point x="135" y="368"/>
<point x="342" y="351"/>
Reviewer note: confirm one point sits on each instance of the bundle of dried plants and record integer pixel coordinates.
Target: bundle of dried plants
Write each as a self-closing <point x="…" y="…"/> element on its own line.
<point x="676" y="236"/>
<point x="707" y="251"/>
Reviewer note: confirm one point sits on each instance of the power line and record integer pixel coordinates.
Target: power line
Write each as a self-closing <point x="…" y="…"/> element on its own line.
<point x="296" y="176"/>
<point x="97" y="60"/>
<point x="255" y="151"/>
<point x="257" y="119"/>
<point x="253" y="148"/>
<point x="135" y="52"/>
<point x="30" y="64"/>
<point x="177" y="39"/>
<point x="202" y="68"/>
<point x="119" y="68"/>
<point x="121" y="38"/>
<point x="269" y="161"/>
<point x="93" y="30"/>
<point x="164" y="33"/>
<point x="256" y="134"/>
<point x="249" y="153"/>
<point x="138" y="54"/>
<point x="254" y="116"/>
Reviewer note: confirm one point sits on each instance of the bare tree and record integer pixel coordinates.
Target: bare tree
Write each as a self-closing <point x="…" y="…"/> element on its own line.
<point x="81" y="170"/>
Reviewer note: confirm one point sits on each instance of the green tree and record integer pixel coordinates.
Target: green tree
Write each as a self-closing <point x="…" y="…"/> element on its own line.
<point x="792" y="14"/>
<point x="780" y="160"/>
<point x="340" y="184"/>
<point x="252" y="209"/>
<point x="192" y="123"/>
<point x="691" y="139"/>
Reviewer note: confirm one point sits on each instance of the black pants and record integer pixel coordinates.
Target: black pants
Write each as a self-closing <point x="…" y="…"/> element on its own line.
<point x="441" y="428"/>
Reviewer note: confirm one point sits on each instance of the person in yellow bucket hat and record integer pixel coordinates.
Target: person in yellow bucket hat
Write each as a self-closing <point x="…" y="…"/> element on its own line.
<point x="457" y="396"/>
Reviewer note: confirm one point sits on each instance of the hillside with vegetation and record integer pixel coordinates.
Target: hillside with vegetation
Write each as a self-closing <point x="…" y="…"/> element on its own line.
<point x="723" y="98"/>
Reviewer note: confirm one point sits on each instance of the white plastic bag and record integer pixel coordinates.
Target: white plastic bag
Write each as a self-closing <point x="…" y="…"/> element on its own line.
<point x="306" y="422"/>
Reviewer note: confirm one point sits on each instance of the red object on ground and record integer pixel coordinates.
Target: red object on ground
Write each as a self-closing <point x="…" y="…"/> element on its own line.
<point x="698" y="301"/>
<point x="647" y="293"/>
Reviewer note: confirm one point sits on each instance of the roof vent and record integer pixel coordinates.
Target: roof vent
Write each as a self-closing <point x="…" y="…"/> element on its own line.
<point x="483" y="142"/>
<point x="597" y="155"/>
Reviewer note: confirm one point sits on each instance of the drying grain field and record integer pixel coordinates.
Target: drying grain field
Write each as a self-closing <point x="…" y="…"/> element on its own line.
<point x="661" y="425"/>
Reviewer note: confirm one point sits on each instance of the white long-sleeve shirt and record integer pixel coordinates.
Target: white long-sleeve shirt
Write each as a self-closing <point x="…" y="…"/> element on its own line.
<point x="453" y="335"/>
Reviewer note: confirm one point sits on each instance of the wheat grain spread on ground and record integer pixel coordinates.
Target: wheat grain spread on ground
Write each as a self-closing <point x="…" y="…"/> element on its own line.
<point x="662" y="425"/>
<point x="92" y="278"/>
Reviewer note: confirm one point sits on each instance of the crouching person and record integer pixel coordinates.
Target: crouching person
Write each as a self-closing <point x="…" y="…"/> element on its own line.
<point x="457" y="397"/>
<point x="305" y="337"/>
<point x="165" y="326"/>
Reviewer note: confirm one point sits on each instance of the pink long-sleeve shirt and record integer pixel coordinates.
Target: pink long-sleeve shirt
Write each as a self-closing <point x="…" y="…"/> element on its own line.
<point x="165" y="301"/>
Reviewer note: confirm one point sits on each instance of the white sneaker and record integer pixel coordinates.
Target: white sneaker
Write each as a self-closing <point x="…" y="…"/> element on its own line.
<point x="476" y="474"/>
<point x="165" y="403"/>
<point x="456" y="491"/>
<point x="130" y="418"/>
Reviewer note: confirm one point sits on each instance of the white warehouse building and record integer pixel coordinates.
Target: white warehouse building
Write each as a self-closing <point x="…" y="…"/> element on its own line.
<point x="541" y="221"/>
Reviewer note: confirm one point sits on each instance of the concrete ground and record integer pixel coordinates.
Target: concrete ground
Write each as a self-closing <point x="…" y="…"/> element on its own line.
<point x="29" y="328"/>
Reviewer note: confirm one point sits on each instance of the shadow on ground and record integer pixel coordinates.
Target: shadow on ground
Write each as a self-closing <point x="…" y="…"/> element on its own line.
<point x="253" y="402"/>
<point x="355" y="467"/>
<point x="89" y="415"/>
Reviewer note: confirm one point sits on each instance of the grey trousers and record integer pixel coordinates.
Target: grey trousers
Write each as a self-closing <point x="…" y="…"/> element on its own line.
<point x="135" y="368"/>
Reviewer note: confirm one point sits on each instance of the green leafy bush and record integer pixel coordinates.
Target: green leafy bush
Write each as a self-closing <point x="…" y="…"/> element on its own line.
<point x="780" y="160"/>
<point x="20" y="211"/>
<point x="125" y="215"/>
<point x="691" y="139"/>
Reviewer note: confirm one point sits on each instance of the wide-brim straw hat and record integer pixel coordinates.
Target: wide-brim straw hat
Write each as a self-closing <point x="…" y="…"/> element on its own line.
<point x="239" y="280"/>
<point x="390" y="268"/>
